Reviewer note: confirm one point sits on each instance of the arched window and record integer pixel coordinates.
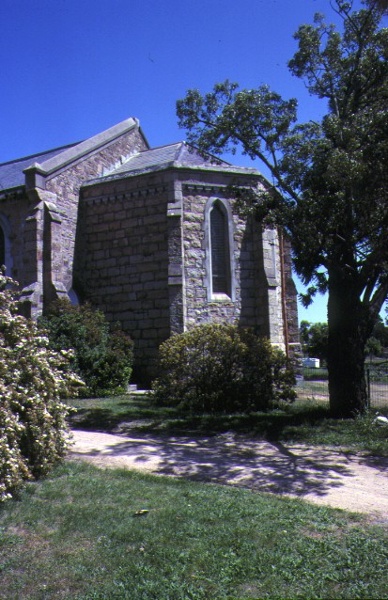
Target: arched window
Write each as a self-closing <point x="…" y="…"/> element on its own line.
<point x="220" y="254"/>
<point x="2" y="247"/>
<point x="5" y="244"/>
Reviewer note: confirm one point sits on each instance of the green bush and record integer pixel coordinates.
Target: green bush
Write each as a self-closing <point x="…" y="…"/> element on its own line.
<point x="33" y="381"/>
<point x="103" y="358"/>
<point x="222" y="369"/>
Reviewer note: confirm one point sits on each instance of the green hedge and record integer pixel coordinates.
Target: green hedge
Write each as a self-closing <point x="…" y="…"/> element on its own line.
<point x="101" y="356"/>
<point x="222" y="369"/>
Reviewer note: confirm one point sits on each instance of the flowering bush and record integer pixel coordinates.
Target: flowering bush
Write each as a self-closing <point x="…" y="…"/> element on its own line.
<point x="33" y="382"/>
<point x="221" y="368"/>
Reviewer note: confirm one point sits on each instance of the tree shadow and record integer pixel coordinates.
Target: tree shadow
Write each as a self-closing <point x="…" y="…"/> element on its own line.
<point x="231" y="459"/>
<point x="96" y="419"/>
<point x="118" y="417"/>
<point x="144" y="417"/>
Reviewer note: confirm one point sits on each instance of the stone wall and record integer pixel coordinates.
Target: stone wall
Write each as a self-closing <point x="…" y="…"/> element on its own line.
<point x="291" y="305"/>
<point x="121" y="261"/>
<point x="66" y="187"/>
<point x="199" y="308"/>
<point x="136" y="245"/>
<point x="20" y="215"/>
<point x="142" y="258"/>
<point x="255" y="299"/>
<point x="13" y="211"/>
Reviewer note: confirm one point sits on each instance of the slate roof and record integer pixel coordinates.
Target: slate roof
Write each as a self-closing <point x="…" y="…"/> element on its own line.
<point x="179" y="154"/>
<point x="11" y="173"/>
<point x="176" y="155"/>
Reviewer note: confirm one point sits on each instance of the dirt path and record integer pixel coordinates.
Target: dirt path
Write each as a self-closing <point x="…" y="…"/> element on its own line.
<point x="356" y="483"/>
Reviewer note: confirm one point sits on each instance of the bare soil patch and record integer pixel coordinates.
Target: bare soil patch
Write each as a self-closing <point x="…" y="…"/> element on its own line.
<point x="324" y="476"/>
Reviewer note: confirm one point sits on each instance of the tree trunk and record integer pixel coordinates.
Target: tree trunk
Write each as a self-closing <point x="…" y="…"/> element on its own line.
<point x="349" y="328"/>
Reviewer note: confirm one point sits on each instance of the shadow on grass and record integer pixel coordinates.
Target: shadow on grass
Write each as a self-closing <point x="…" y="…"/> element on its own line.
<point x="140" y="415"/>
<point x="121" y="412"/>
<point x="96" y="419"/>
<point x="278" y="451"/>
<point x="231" y="459"/>
<point x="302" y="422"/>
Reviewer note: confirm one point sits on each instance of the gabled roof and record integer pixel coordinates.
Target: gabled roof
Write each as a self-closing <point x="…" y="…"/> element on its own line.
<point x="89" y="145"/>
<point x="11" y="172"/>
<point x="178" y="155"/>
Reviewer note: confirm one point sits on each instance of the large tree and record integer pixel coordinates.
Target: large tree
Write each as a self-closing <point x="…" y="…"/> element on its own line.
<point x="331" y="175"/>
<point x="381" y="4"/>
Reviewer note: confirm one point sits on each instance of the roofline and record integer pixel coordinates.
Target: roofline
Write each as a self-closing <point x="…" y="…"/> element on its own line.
<point x="91" y="144"/>
<point x="16" y="189"/>
<point x="173" y="165"/>
<point x="181" y="143"/>
<point x="37" y="154"/>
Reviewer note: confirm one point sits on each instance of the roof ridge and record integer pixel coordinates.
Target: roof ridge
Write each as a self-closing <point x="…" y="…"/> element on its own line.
<point x="181" y="149"/>
<point x="76" y="152"/>
<point x="36" y="155"/>
<point x="160" y="147"/>
<point x="149" y="150"/>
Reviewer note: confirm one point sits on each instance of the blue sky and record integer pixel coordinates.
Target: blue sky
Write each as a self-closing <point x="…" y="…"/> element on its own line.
<point x="72" y="68"/>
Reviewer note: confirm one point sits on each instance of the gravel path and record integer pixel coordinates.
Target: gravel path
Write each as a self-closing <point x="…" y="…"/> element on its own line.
<point x="357" y="483"/>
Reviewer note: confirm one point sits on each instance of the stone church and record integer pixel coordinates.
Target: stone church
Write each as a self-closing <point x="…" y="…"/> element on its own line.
<point x="150" y="236"/>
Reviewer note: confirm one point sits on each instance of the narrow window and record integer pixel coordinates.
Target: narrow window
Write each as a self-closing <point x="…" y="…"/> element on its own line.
<point x="5" y="246"/>
<point x="220" y="255"/>
<point x="2" y="247"/>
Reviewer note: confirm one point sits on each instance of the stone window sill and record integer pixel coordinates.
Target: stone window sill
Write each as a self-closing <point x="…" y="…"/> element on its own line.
<point x="220" y="298"/>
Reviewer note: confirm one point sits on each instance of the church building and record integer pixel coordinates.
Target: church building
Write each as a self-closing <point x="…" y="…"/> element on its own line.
<point x="150" y="236"/>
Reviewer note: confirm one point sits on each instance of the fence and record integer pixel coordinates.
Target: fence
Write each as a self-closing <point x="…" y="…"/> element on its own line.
<point x="314" y="384"/>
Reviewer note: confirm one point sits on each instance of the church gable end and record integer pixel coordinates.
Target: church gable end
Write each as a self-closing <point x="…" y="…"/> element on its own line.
<point x="149" y="236"/>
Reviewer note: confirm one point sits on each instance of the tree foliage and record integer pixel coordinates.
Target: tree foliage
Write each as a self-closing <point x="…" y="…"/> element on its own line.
<point x="380" y="332"/>
<point x="33" y="381"/>
<point x="217" y="368"/>
<point x="314" y="338"/>
<point x="102" y="357"/>
<point x="379" y="4"/>
<point x="373" y="347"/>
<point x="331" y="175"/>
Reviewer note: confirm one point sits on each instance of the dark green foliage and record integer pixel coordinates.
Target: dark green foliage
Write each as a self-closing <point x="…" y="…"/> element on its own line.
<point x="222" y="369"/>
<point x="103" y="358"/>
<point x="332" y="175"/>
<point x="373" y="347"/>
<point x="380" y="332"/>
<point x="314" y="338"/>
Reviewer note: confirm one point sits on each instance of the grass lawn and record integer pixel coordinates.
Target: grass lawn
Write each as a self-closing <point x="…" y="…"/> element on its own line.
<point x="303" y="422"/>
<point x="86" y="533"/>
<point x="77" y="535"/>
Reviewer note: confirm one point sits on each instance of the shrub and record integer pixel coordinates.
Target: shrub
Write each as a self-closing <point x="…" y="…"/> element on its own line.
<point x="33" y="381"/>
<point x="315" y="374"/>
<point x="220" y="368"/>
<point x="103" y="358"/>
